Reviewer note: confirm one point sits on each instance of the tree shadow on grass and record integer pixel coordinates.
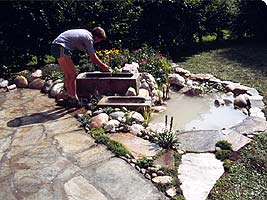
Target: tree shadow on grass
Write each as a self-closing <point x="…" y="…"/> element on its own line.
<point x="40" y="117"/>
<point x="248" y="53"/>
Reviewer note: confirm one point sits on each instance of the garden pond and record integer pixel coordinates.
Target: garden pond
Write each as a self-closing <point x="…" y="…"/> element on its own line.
<point x="199" y="113"/>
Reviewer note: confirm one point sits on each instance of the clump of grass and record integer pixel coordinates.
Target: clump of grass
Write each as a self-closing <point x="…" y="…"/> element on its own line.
<point x="117" y="148"/>
<point x="97" y="132"/>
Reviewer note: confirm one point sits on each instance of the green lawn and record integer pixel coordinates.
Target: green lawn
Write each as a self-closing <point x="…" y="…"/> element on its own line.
<point x="247" y="178"/>
<point x="245" y="63"/>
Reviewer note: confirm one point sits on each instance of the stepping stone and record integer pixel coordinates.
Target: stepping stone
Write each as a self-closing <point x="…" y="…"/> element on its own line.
<point x="236" y="139"/>
<point x="199" y="141"/>
<point x="251" y="126"/>
<point x="120" y="180"/>
<point x="198" y="173"/>
<point x="137" y="146"/>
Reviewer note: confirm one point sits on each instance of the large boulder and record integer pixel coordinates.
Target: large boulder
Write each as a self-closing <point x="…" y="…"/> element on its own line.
<point x="56" y="89"/>
<point x="37" y="74"/>
<point x="37" y="84"/>
<point x="177" y="80"/>
<point x="99" y="121"/>
<point x="21" y="82"/>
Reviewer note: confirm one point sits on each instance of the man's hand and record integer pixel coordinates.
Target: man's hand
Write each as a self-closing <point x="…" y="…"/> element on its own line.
<point x="97" y="61"/>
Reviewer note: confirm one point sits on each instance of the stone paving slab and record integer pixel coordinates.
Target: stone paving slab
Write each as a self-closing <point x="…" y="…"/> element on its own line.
<point x="136" y="145"/>
<point x="198" y="173"/>
<point x="92" y="156"/>
<point x="236" y="139"/>
<point x="78" y="188"/>
<point x="251" y="125"/>
<point x="116" y="179"/>
<point x="199" y="141"/>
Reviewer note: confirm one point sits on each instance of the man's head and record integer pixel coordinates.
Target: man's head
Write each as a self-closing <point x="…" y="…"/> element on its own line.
<point x="98" y="34"/>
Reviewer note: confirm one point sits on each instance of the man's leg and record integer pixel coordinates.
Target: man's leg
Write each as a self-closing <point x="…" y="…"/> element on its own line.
<point x="70" y="73"/>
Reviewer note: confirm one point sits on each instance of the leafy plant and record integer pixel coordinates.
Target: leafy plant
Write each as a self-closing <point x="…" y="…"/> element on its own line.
<point x="84" y="120"/>
<point x="227" y="165"/>
<point x="223" y="154"/>
<point x="167" y="139"/>
<point x="223" y="144"/>
<point x="52" y="72"/>
<point x="147" y="115"/>
<point x="145" y="162"/>
<point x="166" y="66"/>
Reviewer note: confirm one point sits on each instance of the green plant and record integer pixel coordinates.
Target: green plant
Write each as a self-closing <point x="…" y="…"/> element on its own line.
<point x="179" y="197"/>
<point x="223" y="154"/>
<point x="147" y="115"/>
<point x="223" y="144"/>
<point x="227" y="165"/>
<point x="49" y="59"/>
<point x="52" y="72"/>
<point x="166" y="66"/>
<point x="33" y="61"/>
<point x="167" y="139"/>
<point x="97" y="132"/>
<point x="108" y="110"/>
<point x="145" y="162"/>
<point x="117" y="148"/>
<point x="84" y="120"/>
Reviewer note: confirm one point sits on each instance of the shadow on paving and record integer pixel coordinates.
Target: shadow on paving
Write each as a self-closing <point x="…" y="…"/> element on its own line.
<point x="40" y="117"/>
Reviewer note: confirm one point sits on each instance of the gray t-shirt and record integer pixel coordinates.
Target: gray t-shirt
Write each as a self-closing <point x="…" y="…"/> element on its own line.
<point x="76" y="39"/>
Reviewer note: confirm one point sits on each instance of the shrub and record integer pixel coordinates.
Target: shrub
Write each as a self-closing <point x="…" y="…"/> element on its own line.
<point x="223" y="154"/>
<point x="223" y="144"/>
<point x="52" y="72"/>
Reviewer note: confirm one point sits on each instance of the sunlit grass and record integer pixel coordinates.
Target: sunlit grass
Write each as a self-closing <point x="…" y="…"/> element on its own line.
<point x="245" y="63"/>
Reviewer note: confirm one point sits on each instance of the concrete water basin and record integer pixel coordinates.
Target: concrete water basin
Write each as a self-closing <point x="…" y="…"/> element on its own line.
<point x="130" y="102"/>
<point x="106" y="83"/>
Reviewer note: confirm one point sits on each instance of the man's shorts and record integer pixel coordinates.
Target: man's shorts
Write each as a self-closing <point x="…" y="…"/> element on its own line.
<point x="59" y="51"/>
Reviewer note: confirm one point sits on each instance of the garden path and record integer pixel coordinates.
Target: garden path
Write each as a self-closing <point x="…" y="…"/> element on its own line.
<point x="44" y="154"/>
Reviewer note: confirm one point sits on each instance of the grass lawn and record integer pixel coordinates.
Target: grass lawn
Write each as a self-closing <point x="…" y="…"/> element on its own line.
<point x="245" y="63"/>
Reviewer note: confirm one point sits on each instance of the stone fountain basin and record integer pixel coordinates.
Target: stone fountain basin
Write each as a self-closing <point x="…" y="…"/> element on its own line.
<point x="106" y="83"/>
<point x="130" y="102"/>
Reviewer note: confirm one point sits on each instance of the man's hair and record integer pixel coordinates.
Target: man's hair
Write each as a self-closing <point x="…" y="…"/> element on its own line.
<point x="99" y="32"/>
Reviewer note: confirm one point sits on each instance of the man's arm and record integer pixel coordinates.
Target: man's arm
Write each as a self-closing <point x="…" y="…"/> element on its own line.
<point x="98" y="62"/>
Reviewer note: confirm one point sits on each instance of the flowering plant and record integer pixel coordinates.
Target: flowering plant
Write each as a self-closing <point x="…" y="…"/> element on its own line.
<point x="148" y="59"/>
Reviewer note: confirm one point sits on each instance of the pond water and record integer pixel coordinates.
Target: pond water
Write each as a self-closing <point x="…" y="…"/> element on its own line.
<point x="199" y="113"/>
